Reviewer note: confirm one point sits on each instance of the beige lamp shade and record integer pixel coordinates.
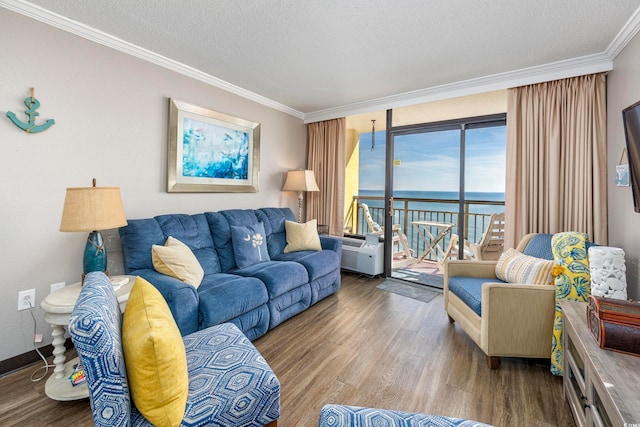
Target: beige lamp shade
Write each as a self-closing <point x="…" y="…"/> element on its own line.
<point x="92" y="208"/>
<point x="300" y="180"/>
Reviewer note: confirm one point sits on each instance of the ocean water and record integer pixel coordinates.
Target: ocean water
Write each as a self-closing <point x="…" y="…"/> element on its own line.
<point x="449" y="196"/>
<point x="442" y="208"/>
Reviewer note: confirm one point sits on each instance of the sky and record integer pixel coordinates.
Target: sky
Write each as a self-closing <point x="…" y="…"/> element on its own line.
<point x="431" y="161"/>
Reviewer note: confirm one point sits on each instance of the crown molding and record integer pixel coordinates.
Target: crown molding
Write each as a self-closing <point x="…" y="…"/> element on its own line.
<point x="100" y="37"/>
<point x="596" y="63"/>
<point x="625" y="35"/>
<point x="602" y="62"/>
<point x="538" y="74"/>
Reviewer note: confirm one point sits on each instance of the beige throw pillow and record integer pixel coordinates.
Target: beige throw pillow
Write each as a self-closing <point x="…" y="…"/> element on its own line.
<point x="515" y="267"/>
<point x="175" y="259"/>
<point x="302" y="237"/>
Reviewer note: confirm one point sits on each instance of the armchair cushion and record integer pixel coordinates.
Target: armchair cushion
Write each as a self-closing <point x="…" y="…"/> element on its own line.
<point x="175" y="259"/>
<point x="249" y="244"/>
<point x="469" y="290"/>
<point x="515" y="267"/>
<point x="302" y="237"/>
<point x="155" y="356"/>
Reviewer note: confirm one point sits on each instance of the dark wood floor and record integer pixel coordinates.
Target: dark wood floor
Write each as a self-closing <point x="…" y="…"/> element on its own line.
<point x="364" y="347"/>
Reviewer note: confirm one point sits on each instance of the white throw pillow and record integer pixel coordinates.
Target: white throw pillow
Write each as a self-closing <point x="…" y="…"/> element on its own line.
<point x="515" y="267"/>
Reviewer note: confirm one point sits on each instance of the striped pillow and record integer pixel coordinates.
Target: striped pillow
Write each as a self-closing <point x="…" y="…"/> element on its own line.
<point x="514" y="267"/>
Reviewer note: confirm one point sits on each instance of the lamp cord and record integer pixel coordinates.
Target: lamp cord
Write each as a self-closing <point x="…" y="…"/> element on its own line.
<point x="44" y="359"/>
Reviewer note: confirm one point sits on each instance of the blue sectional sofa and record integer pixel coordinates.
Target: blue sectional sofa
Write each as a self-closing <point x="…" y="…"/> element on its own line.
<point x="255" y="298"/>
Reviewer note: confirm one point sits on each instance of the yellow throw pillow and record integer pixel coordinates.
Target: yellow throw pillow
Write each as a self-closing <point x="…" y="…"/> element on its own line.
<point x="175" y="259"/>
<point x="302" y="237"/>
<point x="515" y="267"/>
<point x="154" y="356"/>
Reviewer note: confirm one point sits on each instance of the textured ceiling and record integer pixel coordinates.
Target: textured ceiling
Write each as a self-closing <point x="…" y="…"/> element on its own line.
<point x="312" y="56"/>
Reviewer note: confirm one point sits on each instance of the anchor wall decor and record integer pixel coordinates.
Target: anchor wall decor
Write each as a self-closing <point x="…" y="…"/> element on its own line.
<point x="30" y="127"/>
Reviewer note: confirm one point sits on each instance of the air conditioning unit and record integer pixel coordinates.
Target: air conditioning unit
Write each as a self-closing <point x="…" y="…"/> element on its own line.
<point x="364" y="256"/>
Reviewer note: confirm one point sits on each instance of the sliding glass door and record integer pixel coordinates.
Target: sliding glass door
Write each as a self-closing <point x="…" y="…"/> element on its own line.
<point x="440" y="178"/>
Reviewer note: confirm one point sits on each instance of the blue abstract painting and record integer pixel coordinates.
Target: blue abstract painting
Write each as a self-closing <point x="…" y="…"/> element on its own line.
<point x="212" y="151"/>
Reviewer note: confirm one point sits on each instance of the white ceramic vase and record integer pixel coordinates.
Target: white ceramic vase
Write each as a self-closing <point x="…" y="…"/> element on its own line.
<point x="608" y="272"/>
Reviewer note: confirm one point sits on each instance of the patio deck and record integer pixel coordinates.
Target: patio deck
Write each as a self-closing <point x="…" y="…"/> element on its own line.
<point x="423" y="272"/>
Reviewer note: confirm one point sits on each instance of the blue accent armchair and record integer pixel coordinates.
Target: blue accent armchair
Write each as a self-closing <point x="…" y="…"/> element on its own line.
<point x="215" y="396"/>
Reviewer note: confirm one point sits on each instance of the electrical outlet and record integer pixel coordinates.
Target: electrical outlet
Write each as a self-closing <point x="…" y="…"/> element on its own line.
<point x="57" y="286"/>
<point x="26" y="299"/>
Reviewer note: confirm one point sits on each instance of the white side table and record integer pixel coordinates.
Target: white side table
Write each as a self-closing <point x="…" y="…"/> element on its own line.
<point x="57" y="308"/>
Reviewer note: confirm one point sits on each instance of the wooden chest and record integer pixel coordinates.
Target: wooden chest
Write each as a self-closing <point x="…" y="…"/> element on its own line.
<point x="615" y="324"/>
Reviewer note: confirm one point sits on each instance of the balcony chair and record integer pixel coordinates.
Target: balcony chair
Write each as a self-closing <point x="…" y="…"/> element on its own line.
<point x="222" y="376"/>
<point x="398" y="236"/>
<point x="490" y="246"/>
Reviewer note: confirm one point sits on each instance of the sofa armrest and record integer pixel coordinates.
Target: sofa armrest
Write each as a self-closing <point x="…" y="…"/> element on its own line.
<point x="517" y="319"/>
<point x="331" y="243"/>
<point x="181" y="298"/>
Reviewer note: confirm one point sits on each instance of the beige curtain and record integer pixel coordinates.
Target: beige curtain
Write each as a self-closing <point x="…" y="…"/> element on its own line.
<point x="327" y="160"/>
<point x="556" y="159"/>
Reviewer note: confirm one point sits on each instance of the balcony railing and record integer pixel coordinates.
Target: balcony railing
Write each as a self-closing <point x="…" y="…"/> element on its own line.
<point x="408" y="210"/>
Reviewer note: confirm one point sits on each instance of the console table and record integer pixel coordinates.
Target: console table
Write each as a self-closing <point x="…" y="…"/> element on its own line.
<point x="601" y="386"/>
<point x="57" y="312"/>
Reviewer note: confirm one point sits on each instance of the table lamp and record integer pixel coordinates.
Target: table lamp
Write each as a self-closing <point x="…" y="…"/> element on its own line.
<point x="300" y="181"/>
<point x="93" y="209"/>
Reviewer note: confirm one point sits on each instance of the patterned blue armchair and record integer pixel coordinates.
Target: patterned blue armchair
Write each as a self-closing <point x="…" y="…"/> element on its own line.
<point x="215" y="395"/>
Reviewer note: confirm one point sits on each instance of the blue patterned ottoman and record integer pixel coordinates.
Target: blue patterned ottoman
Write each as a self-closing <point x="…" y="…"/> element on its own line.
<point x="354" y="416"/>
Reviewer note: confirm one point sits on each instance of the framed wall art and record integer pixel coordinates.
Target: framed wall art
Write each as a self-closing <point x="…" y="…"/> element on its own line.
<point x="211" y="151"/>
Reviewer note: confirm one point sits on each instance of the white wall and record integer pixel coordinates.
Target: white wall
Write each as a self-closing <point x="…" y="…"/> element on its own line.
<point x="623" y="89"/>
<point x="111" y="113"/>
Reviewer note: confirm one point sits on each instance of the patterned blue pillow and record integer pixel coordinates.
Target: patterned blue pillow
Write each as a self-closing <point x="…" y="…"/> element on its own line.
<point x="249" y="244"/>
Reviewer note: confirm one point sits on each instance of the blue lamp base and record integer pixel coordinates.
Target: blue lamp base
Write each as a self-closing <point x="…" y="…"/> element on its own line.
<point x="95" y="254"/>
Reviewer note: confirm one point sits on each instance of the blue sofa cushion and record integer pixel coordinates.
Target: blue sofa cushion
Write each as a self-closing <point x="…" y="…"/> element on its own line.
<point x="469" y="290"/>
<point x="226" y="296"/>
<point x="318" y="264"/>
<point x="137" y="238"/>
<point x="249" y="244"/>
<point x="181" y="297"/>
<point x="274" y="219"/>
<point x="278" y="276"/>
<point x="220" y="228"/>
<point x="193" y="231"/>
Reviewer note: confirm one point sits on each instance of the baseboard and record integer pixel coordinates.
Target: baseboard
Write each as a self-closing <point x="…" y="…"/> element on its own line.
<point x="23" y="360"/>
